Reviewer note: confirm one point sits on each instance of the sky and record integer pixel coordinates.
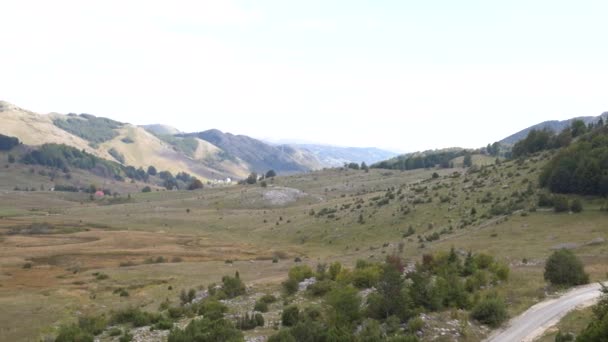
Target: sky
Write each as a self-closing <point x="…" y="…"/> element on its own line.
<point x="402" y="75"/>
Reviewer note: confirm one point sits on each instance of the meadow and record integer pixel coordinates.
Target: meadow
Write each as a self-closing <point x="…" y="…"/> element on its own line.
<point x="55" y="245"/>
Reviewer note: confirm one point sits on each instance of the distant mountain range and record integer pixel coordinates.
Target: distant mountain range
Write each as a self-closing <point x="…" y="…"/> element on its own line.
<point x="210" y="154"/>
<point x="553" y="125"/>
<point x="338" y="156"/>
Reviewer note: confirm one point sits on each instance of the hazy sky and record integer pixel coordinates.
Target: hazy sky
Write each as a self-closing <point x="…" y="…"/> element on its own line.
<point x="405" y="75"/>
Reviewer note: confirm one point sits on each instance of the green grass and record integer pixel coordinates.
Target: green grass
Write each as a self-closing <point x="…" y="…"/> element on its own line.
<point x="209" y="226"/>
<point x="573" y="322"/>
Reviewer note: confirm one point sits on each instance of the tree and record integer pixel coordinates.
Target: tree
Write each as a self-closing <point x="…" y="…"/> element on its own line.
<point x="353" y="166"/>
<point x="390" y="299"/>
<point x="7" y="143"/>
<point x="491" y="311"/>
<point x="468" y="160"/>
<point x="270" y="174"/>
<point x="576" y="206"/>
<point x="152" y="170"/>
<point x="195" y="184"/>
<point x="345" y="303"/>
<point x="146" y="189"/>
<point x="578" y="128"/>
<point x="290" y="316"/>
<point x="252" y="178"/>
<point x="563" y="268"/>
<point x="560" y="204"/>
<point x="364" y="167"/>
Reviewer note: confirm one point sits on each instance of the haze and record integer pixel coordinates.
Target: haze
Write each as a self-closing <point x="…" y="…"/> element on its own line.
<point x="404" y="75"/>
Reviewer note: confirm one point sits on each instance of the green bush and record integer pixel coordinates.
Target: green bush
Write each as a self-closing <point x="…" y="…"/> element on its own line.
<point x="290" y="286"/>
<point x="560" y="204"/>
<point x="345" y="303"/>
<point x="146" y="189"/>
<point x="212" y="309"/>
<point x="491" y="311"/>
<point x="300" y="272"/>
<point x="260" y="306"/>
<point x="563" y="268"/>
<point x="206" y="330"/>
<point x="73" y="333"/>
<point x="290" y="316"/>
<point x="283" y="335"/>
<point x="576" y="206"/>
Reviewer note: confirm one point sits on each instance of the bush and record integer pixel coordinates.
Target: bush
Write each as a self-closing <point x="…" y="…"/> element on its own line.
<point x="563" y="268"/>
<point x="490" y="311"/>
<point x="146" y="189"/>
<point x="564" y="337"/>
<point x="268" y="299"/>
<point x="233" y="286"/>
<point x="300" y="272"/>
<point x="290" y="316"/>
<point x="73" y="333"/>
<point x="290" y="286"/>
<point x="560" y="204"/>
<point x="576" y="206"/>
<point x="7" y="143"/>
<point x="206" y="330"/>
<point x="260" y="306"/>
<point x="345" y="303"/>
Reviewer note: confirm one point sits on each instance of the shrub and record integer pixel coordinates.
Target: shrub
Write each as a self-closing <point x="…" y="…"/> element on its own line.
<point x="146" y="189"/>
<point x="212" y="309"/>
<point x="7" y="142"/>
<point x="233" y="286"/>
<point x="345" y="303"/>
<point x="290" y="286"/>
<point x="126" y="337"/>
<point x="290" y="316"/>
<point x="563" y="268"/>
<point x="206" y="330"/>
<point x="560" y="204"/>
<point x="73" y="333"/>
<point x="300" y="272"/>
<point x="283" y="335"/>
<point x="320" y="288"/>
<point x="268" y="299"/>
<point x="564" y="337"/>
<point x="491" y="311"/>
<point x="260" y="306"/>
<point x="576" y="206"/>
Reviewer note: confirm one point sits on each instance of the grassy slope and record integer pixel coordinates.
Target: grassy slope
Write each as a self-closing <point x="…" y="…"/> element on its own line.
<point x="146" y="149"/>
<point x="207" y="227"/>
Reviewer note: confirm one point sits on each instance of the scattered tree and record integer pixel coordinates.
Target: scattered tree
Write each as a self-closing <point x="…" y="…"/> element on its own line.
<point x="563" y="268"/>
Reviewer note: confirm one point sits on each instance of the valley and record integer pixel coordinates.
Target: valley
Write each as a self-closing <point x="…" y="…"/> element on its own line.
<point x="152" y="245"/>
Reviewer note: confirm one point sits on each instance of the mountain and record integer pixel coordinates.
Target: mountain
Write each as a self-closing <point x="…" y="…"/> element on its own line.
<point x="332" y="156"/>
<point x="122" y="142"/>
<point x="259" y="156"/>
<point x="553" y="125"/>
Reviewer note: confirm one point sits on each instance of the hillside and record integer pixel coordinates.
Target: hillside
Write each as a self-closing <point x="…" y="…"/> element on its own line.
<point x="122" y="142"/>
<point x="334" y="156"/>
<point x="552" y="125"/>
<point x="259" y="156"/>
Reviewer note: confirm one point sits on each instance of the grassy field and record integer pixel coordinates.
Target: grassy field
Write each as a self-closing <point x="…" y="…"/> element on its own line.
<point x="573" y="322"/>
<point x="327" y="215"/>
